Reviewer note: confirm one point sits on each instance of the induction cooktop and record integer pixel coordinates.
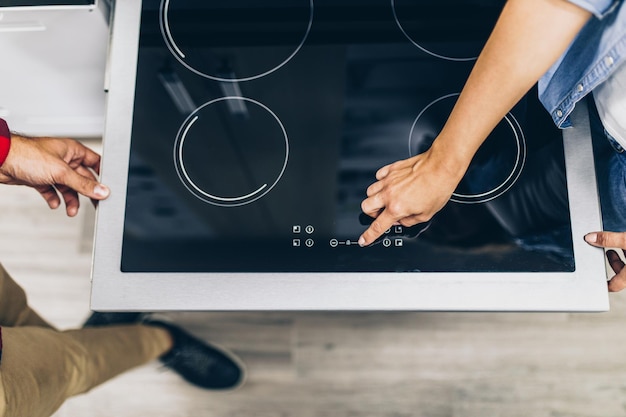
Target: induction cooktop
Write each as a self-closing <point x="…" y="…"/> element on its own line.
<point x="242" y="135"/>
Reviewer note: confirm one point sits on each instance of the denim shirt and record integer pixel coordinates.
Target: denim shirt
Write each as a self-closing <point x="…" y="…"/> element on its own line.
<point x="597" y="51"/>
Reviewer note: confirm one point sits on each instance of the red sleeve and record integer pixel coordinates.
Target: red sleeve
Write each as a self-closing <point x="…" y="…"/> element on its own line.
<point x="5" y="140"/>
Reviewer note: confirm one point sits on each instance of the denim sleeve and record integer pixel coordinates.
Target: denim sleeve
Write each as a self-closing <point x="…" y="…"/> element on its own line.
<point x="599" y="8"/>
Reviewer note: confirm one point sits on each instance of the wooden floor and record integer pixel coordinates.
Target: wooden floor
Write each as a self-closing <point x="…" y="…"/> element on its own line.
<point x="335" y="365"/>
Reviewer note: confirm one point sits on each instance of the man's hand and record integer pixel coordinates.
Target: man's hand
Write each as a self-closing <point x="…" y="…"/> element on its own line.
<point x="611" y="240"/>
<point x="54" y="166"/>
<point x="409" y="192"/>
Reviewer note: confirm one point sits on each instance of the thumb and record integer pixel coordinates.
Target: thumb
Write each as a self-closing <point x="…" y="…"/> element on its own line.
<point x="88" y="187"/>
<point x="607" y="239"/>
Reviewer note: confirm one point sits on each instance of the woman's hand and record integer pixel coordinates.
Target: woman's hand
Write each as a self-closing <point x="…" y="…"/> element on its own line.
<point x="611" y="240"/>
<point x="409" y="192"/>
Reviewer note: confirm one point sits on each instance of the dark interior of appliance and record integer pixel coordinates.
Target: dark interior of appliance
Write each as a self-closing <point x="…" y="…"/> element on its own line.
<point x="252" y="149"/>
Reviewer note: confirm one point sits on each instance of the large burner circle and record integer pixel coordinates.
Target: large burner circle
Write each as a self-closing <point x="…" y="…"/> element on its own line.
<point x="231" y="151"/>
<point x="496" y="166"/>
<point x="232" y="41"/>
<point x="425" y="25"/>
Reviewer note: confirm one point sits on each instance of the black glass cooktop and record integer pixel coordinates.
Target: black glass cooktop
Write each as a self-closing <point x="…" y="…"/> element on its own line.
<point x="258" y="126"/>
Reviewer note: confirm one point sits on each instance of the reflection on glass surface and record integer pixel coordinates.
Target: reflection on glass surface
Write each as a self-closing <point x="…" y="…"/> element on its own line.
<point x="271" y="179"/>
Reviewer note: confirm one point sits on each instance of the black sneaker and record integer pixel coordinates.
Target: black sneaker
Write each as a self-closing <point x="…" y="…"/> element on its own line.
<point x="198" y="362"/>
<point x="111" y="319"/>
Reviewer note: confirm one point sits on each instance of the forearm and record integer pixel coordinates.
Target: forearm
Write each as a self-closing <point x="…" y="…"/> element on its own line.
<point x="529" y="37"/>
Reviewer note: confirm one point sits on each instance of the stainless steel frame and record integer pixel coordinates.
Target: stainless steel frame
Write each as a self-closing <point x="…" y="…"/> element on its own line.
<point x="583" y="290"/>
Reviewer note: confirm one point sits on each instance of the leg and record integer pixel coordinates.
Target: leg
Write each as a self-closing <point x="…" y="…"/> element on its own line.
<point x="197" y="361"/>
<point x="14" y="308"/>
<point x="41" y="367"/>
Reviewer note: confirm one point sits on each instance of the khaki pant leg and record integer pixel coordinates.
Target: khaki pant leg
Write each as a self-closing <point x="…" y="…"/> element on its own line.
<point x="41" y="367"/>
<point x="14" y="308"/>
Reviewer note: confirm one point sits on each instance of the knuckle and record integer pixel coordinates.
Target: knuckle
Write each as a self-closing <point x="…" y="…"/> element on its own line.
<point x="423" y="217"/>
<point x="601" y="239"/>
<point x="396" y="209"/>
<point x="60" y="174"/>
<point x="409" y="221"/>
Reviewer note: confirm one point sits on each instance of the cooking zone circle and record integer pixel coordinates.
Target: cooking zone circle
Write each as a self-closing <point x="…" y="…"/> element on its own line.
<point x="231" y="151"/>
<point x="408" y="15"/>
<point x="232" y="41"/>
<point x="496" y="166"/>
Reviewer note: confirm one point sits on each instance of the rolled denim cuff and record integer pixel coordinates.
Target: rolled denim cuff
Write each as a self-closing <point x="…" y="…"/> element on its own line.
<point x="599" y="8"/>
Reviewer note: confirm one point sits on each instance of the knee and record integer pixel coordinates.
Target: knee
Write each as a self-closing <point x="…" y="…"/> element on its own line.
<point x="76" y="365"/>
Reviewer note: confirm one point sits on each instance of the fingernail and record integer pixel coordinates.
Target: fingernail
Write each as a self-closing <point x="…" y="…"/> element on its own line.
<point x="101" y="191"/>
<point x="361" y="241"/>
<point x="591" y="237"/>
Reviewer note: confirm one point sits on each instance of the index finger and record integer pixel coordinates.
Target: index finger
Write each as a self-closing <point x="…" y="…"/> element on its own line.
<point x="91" y="160"/>
<point x="81" y="155"/>
<point x="380" y="225"/>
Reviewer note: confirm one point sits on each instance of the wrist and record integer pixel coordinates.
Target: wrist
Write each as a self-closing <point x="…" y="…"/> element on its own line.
<point x="451" y="159"/>
<point x="5" y="141"/>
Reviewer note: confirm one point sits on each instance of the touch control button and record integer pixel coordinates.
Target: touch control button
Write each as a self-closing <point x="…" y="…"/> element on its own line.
<point x="334" y="243"/>
<point x="309" y="243"/>
<point x="386" y="242"/>
<point x="309" y="229"/>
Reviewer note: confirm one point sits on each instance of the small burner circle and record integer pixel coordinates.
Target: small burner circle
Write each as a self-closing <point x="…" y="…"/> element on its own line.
<point x="231" y="163"/>
<point x="496" y="166"/>
<point x="221" y="71"/>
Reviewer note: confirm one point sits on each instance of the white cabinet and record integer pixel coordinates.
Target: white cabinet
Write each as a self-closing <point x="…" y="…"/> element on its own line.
<point x="52" y="71"/>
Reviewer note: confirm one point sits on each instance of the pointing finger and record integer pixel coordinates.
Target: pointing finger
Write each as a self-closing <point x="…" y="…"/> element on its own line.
<point x="378" y="227"/>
